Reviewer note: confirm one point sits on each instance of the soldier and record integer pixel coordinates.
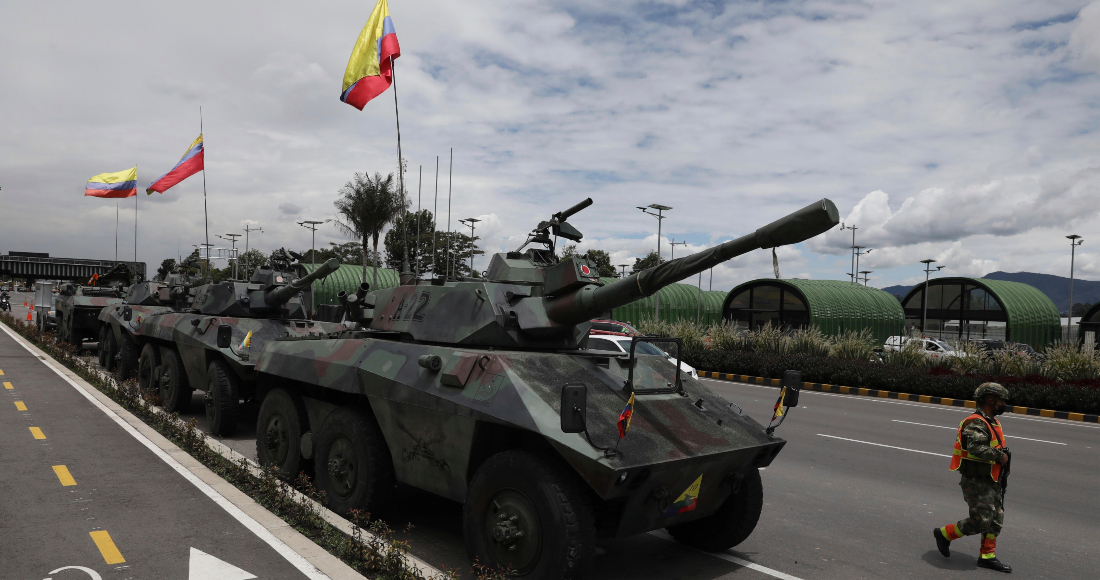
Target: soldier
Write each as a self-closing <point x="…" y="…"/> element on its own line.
<point x="980" y="456"/>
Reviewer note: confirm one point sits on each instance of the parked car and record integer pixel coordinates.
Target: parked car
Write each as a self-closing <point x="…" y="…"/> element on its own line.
<point x="613" y="328"/>
<point x="615" y="343"/>
<point x="991" y="345"/>
<point x="932" y="347"/>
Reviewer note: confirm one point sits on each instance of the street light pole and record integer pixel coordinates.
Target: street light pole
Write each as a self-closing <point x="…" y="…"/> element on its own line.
<point x="1074" y="241"/>
<point x="853" y="228"/>
<point x="247" y="229"/>
<point x="233" y="252"/>
<point x="858" y="253"/>
<point x="924" y="293"/>
<point x="623" y="266"/>
<point x="865" y="272"/>
<point x="672" y="242"/>
<point x="311" y="225"/>
<point x="471" y="222"/>
<point x="660" y="218"/>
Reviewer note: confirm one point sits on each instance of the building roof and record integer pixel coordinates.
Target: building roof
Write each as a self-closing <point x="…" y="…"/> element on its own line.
<point x="347" y="278"/>
<point x="678" y="302"/>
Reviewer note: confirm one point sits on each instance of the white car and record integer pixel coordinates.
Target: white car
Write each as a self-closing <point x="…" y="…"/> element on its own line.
<point x="929" y="346"/>
<point x="622" y="344"/>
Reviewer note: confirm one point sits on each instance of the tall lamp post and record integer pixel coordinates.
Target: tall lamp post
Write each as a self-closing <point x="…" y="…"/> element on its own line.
<point x="674" y="243"/>
<point x="471" y="222"/>
<point x="1074" y="241"/>
<point x="660" y="218"/>
<point x="924" y="294"/>
<point x="865" y="272"/>
<point x="623" y="266"/>
<point x="858" y="253"/>
<point x="248" y="229"/>
<point x="853" y="228"/>
<point x="311" y="225"/>
<point x="232" y="252"/>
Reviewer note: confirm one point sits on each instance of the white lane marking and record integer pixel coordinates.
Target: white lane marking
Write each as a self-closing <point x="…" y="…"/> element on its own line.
<point x="203" y="566"/>
<point x="881" y="445"/>
<point x="731" y="558"/>
<point x="261" y="532"/>
<point x="922" y="424"/>
<point x="953" y="428"/>
<point x="866" y="399"/>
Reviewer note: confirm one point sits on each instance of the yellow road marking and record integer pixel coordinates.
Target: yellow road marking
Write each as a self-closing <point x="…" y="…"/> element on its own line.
<point x="7" y="385"/>
<point x="106" y="546"/>
<point x="20" y="405"/>
<point x="1" y="372"/>
<point x="38" y="434"/>
<point x="64" y="475"/>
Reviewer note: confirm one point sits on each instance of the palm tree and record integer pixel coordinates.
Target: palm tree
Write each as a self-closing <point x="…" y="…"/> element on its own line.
<point x="366" y="206"/>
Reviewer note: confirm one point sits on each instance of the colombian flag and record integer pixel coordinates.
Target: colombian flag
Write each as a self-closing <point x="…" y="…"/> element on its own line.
<point x="247" y="342"/>
<point x="117" y="184"/>
<point x="777" y="412"/>
<point x="190" y="164"/>
<point x="687" y="500"/>
<point x="624" y="417"/>
<point x="369" y="70"/>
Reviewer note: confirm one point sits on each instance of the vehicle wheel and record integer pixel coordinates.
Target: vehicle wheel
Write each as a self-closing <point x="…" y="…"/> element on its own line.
<point x="127" y="358"/>
<point x="101" y="346"/>
<point x="279" y="428"/>
<point x="731" y="524"/>
<point x="175" y="393"/>
<point x="354" y="467"/>
<point x="61" y="334"/>
<point x="146" y="368"/>
<point x="531" y="515"/>
<point x="112" y="350"/>
<point x="222" y="398"/>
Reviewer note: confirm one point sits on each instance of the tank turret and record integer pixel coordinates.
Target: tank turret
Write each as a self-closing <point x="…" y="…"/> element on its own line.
<point x="271" y="293"/>
<point x="532" y="299"/>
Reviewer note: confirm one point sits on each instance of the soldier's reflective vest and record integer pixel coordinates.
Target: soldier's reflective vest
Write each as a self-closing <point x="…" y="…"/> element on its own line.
<point x="996" y="443"/>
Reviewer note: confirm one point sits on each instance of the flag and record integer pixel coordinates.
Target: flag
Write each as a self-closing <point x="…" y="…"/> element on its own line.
<point x="117" y="184"/>
<point x="247" y="342"/>
<point x="687" y="500"/>
<point x="369" y="71"/>
<point x="94" y="279"/>
<point x="190" y="164"/>
<point x="777" y="412"/>
<point x="624" y="417"/>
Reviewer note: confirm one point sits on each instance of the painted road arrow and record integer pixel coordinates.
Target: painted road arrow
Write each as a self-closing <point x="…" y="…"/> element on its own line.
<point x="203" y="566"/>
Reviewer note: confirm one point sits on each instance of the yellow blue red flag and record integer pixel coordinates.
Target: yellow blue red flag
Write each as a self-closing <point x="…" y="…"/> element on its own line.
<point x="190" y="164"/>
<point x="624" y="417"/>
<point x="247" y="342"/>
<point x="117" y="184"/>
<point x="370" y="68"/>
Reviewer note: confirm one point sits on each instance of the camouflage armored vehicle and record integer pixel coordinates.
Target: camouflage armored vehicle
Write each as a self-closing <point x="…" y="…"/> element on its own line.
<point x="484" y="392"/>
<point x="202" y="337"/>
<point x="78" y="306"/>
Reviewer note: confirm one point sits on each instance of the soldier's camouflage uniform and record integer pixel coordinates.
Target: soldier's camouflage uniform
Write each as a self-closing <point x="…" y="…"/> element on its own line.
<point x="981" y="493"/>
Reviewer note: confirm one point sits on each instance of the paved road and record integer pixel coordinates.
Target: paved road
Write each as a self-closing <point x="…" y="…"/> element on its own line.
<point x="78" y="490"/>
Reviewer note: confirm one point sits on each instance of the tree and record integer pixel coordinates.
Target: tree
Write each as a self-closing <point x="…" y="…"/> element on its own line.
<point x="453" y="251"/>
<point x="650" y="260"/>
<point x="249" y="262"/>
<point x="420" y="248"/>
<point x="602" y="261"/>
<point x="165" y="268"/>
<point x="367" y="206"/>
<point x="1079" y="309"/>
<point x="569" y="251"/>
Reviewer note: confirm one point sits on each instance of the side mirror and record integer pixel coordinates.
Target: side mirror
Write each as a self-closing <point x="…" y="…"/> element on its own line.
<point x="574" y="406"/>
<point x="127" y="313"/>
<point x="225" y="335"/>
<point x="792" y="382"/>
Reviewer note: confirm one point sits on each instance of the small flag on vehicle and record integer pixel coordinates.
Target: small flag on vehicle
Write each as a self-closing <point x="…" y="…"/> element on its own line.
<point x="247" y="342"/>
<point x="777" y="412"/>
<point x="624" y="417"/>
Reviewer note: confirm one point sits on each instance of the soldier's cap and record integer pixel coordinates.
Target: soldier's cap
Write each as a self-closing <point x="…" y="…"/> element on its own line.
<point x="990" y="389"/>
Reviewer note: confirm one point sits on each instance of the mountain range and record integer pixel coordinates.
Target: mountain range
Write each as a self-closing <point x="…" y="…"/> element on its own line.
<point x="1055" y="287"/>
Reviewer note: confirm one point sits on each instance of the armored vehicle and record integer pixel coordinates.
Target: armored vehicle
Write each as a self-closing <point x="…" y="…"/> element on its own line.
<point x="78" y="306"/>
<point x="182" y="338"/>
<point x="484" y="392"/>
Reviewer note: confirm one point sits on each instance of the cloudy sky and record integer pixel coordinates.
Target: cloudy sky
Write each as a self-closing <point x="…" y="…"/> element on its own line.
<point x="968" y="132"/>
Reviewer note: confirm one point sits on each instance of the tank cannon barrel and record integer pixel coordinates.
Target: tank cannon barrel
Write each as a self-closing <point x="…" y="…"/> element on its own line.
<point x="590" y="302"/>
<point x="562" y="216"/>
<point x="279" y="296"/>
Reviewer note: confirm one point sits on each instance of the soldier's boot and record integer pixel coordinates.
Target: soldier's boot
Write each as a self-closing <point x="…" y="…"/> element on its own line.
<point x="988" y="559"/>
<point x="944" y="536"/>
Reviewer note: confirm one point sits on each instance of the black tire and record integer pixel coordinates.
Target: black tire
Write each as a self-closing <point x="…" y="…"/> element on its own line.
<point x="521" y="491"/>
<point x="175" y="391"/>
<point x="112" y="350"/>
<point x="62" y="333"/>
<point x="127" y="358"/>
<point x="101" y="346"/>
<point x="279" y="428"/>
<point x="731" y="524"/>
<point x="222" y="398"/>
<point x="353" y="464"/>
<point x="147" y="367"/>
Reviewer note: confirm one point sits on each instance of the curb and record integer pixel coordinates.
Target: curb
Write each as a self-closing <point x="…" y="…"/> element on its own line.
<point x="825" y="387"/>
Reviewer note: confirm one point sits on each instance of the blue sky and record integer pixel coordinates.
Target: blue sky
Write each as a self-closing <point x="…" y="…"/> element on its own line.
<point x="965" y="131"/>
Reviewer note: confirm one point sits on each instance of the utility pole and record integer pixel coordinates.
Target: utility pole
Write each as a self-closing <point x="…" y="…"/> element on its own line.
<point x="311" y="225"/>
<point x="660" y="218"/>
<point x="858" y="253"/>
<point x="924" y="293"/>
<point x="672" y="242"/>
<point x="853" y="228"/>
<point x="623" y="266"/>
<point x="233" y="251"/>
<point x="247" y="229"/>
<point x="470" y="222"/>
<point x="865" y="272"/>
<point x="1074" y="241"/>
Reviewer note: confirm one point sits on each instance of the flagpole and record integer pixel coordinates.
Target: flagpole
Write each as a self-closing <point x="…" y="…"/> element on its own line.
<point x="419" y="187"/>
<point x="450" y="241"/>
<point x="400" y="176"/>
<point x="135" y="230"/>
<point x="205" y="213"/>
<point x="435" y="213"/>
<point x="116" y="230"/>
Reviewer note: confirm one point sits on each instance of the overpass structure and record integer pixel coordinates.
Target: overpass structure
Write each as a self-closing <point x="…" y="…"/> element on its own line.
<point x="40" y="266"/>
